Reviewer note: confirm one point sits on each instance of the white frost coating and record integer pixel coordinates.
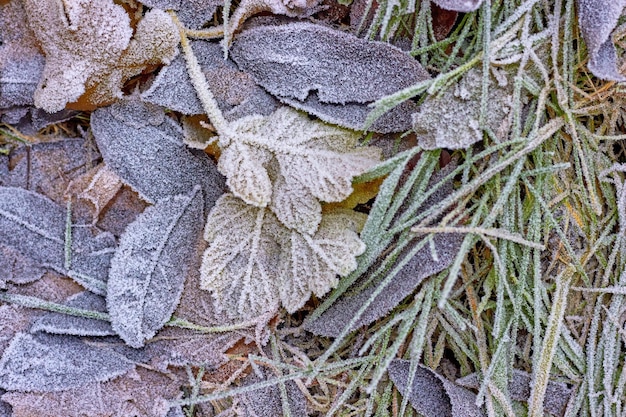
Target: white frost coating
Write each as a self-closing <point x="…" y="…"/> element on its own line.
<point x="597" y="20"/>
<point x="287" y="162"/>
<point x="255" y="263"/>
<point x="46" y="363"/>
<point x="91" y="41"/>
<point x="149" y="268"/>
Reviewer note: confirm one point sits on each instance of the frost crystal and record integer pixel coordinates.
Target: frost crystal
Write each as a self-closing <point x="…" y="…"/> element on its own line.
<point x="254" y="263"/>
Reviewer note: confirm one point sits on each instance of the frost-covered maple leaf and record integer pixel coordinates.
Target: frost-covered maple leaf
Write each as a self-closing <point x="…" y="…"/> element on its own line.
<point x="254" y="263"/>
<point x="289" y="163"/>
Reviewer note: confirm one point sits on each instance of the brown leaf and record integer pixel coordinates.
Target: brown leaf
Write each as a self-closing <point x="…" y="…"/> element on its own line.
<point x="88" y="48"/>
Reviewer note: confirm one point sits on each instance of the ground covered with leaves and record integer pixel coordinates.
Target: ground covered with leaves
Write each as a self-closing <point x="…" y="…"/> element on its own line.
<point x="312" y="208"/>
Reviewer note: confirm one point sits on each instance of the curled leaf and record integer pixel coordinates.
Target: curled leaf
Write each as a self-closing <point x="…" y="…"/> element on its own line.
<point x="145" y="148"/>
<point x="597" y="19"/>
<point x="255" y="263"/>
<point x="46" y="363"/>
<point x="77" y="45"/>
<point x="149" y="267"/>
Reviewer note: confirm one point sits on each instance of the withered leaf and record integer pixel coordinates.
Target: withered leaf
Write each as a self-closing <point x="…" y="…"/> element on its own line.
<point x="149" y="267"/>
<point x="431" y="394"/>
<point x="145" y="148"/>
<point x="88" y="49"/>
<point x="312" y="65"/>
<point x="35" y="226"/>
<point x="77" y="45"/>
<point x="451" y="120"/>
<point x="254" y="263"/>
<point x="142" y="393"/>
<point x="288" y="162"/>
<point x="58" y="323"/>
<point x="46" y="363"/>
<point x="236" y="93"/>
<point x="597" y="19"/>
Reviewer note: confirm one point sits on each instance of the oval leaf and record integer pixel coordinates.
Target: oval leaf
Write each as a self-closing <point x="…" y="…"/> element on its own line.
<point x="149" y="268"/>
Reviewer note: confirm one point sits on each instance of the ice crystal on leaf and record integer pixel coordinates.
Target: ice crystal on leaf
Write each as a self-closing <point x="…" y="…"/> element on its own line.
<point x="288" y="162"/>
<point x="254" y="262"/>
<point x="88" y="49"/>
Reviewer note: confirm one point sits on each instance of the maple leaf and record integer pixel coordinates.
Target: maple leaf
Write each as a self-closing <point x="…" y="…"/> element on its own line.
<point x="254" y="263"/>
<point x="288" y="162"/>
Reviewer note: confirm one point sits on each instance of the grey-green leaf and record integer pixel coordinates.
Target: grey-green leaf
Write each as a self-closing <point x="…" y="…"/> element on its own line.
<point x="316" y="68"/>
<point x="148" y="270"/>
<point x="46" y="363"/>
<point x="145" y="148"/>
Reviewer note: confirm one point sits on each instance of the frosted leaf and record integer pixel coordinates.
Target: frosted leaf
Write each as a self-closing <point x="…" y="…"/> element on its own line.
<point x="236" y="93"/>
<point x="293" y="60"/>
<point x="451" y="120"/>
<point x="149" y="267"/>
<point x="332" y="321"/>
<point x="142" y="393"/>
<point x="254" y="263"/>
<point x="249" y="8"/>
<point x="35" y="226"/>
<point x="21" y="63"/>
<point x="16" y="268"/>
<point x="80" y="39"/>
<point x="193" y="13"/>
<point x="597" y="19"/>
<point x="314" y="160"/>
<point x="557" y="393"/>
<point x="463" y="6"/>
<point x="146" y="150"/>
<point x="353" y="115"/>
<point x="267" y="402"/>
<point x="155" y="41"/>
<point x="431" y="394"/>
<point x="13" y="320"/>
<point x="45" y="363"/>
<point x="59" y="323"/>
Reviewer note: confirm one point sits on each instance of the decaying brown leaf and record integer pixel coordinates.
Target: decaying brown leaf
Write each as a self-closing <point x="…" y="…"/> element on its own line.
<point x="85" y="55"/>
